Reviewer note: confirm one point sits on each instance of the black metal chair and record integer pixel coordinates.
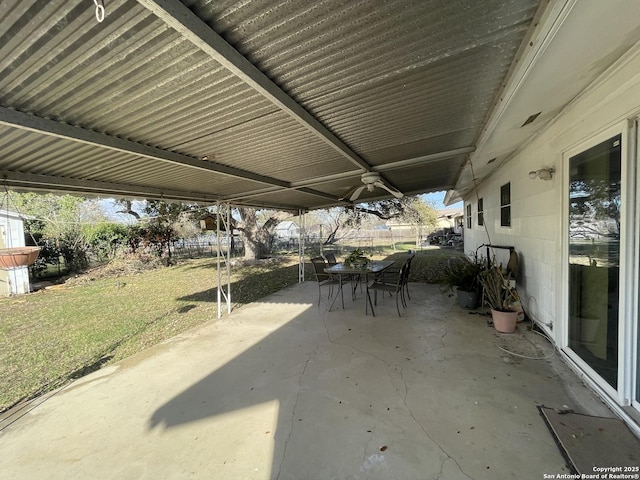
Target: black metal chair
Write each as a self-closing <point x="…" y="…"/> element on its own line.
<point x="395" y="286"/>
<point x="331" y="259"/>
<point x="406" y="285"/>
<point x="391" y="275"/>
<point x="324" y="279"/>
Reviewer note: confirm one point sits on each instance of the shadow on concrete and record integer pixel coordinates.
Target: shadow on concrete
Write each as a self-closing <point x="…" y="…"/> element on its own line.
<point x="251" y="288"/>
<point x="321" y="384"/>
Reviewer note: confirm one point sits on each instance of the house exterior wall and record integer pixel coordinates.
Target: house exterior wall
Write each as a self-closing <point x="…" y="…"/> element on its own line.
<point x="286" y="231"/>
<point x="538" y="222"/>
<point x="16" y="280"/>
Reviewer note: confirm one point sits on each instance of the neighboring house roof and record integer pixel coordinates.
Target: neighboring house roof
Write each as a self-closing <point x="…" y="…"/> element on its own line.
<point x="286" y="229"/>
<point x="4" y="214"/>
<point x="450" y="213"/>
<point x="286" y="225"/>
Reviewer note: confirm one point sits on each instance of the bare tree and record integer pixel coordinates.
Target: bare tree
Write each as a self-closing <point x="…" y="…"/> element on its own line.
<point x="419" y="214"/>
<point x="336" y="220"/>
<point x="342" y="220"/>
<point x="127" y="208"/>
<point x="257" y="227"/>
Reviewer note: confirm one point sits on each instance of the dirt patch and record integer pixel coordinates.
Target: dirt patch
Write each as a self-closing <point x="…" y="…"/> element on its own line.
<point x="119" y="267"/>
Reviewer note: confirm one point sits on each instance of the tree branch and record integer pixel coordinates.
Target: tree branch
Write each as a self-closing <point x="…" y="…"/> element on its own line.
<point x="377" y="213"/>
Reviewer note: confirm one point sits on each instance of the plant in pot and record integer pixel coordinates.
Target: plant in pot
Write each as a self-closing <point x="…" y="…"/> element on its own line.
<point x="464" y="275"/>
<point x="357" y="258"/>
<point x="500" y="297"/>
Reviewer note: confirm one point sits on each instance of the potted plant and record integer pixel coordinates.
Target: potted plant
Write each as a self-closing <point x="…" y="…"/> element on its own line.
<point x="500" y="296"/>
<point x="356" y="258"/>
<point x="464" y="275"/>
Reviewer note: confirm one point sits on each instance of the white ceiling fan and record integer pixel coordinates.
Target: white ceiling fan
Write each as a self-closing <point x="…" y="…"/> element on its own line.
<point x="370" y="181"/>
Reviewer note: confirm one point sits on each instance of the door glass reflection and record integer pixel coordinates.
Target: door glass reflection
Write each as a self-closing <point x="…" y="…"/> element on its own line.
<point x="594" y="256"/>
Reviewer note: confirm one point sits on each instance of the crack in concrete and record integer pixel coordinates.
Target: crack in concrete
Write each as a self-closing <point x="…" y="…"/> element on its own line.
<point x="401" y="394"/>
<point x="422" y="427"/>
<point x="405" y="394"/>
<point x="429" y="350"/>
<point x="333" y="341"/>
<point x="293" y="411"/>
<point x="364" y="453"/>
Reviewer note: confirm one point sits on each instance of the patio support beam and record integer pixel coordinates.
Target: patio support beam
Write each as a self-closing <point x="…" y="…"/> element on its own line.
<point x="424" y="159"/>
<point x="407" y="162"/>
<point x="33" y="123"/>
<point x="265" y="190"/>
<point x="385" y="167"/>
<point x="91" y="187"/>
<point x="179" y="17"/>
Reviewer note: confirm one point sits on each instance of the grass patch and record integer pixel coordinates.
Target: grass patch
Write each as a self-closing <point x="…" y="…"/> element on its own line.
<point x="429" y="265"/>
<point x="53" y="336"/>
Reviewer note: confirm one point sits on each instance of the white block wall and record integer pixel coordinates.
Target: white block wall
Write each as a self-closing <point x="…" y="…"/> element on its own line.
<point x="12" y="227"/>
<point x="537" y="230"/>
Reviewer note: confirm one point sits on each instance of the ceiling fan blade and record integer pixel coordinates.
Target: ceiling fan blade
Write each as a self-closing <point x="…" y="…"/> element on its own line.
<point x="357" y="193"/>
<point x="348" y="194"/>
<point x="392" y="191"/>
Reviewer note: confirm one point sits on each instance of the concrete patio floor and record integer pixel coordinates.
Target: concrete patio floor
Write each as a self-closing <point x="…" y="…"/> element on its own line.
<point x="282" y="389"/>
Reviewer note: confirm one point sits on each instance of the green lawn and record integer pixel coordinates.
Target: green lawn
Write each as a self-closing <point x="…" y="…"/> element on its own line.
<point x="57" y="334"/>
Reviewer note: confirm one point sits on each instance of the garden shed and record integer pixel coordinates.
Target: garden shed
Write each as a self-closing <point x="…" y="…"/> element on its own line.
<point x="286" y="231"/>
<point x="13" y="281"/>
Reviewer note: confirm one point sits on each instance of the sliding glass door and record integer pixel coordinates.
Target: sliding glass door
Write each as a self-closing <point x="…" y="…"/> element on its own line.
<point x="594" y="256"/>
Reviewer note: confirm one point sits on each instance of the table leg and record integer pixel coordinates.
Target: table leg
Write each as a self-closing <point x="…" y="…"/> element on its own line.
<point x="367" y="301"/>
<point x="339" y="292"/>
<point x="355" y="279"/>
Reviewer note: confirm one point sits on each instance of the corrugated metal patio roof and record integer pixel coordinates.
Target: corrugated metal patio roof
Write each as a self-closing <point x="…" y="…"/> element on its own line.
<point x="266" y="103"/>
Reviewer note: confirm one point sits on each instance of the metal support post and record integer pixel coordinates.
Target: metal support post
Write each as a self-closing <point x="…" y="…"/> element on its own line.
<point x="301" y="231"/>
<point x="223" y="258"/>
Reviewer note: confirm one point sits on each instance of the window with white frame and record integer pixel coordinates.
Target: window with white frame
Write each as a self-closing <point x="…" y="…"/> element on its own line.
<point x="468" y="215"/>
<point x="505" y="205"/>
<point x="480" y="212"/>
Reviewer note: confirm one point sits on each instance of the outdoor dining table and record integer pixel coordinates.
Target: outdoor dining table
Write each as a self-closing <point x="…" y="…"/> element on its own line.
<point x="370" y="269"/>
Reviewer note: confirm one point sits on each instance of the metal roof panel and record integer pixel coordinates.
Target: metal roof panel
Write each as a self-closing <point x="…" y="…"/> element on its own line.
<point x="390" y="80"/>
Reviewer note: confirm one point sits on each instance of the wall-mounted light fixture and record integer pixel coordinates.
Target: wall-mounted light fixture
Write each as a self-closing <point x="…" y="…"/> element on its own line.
<point x="542" y="174"/>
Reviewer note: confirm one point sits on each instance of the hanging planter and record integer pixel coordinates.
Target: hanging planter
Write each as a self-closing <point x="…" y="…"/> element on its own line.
<point x="18" y="256"/>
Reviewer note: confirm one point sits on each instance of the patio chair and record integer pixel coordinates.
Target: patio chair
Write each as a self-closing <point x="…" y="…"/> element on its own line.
<point x="392" y="286"/>
<point x="406" y="283"/>
<point x="391" y="275"/>
<point x="324" y="279"/>
<point x="331" y="259"/>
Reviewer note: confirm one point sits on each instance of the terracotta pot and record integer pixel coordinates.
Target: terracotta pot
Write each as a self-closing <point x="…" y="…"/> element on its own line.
<point x="504" y="322"/>
<point x="18" y="256"/>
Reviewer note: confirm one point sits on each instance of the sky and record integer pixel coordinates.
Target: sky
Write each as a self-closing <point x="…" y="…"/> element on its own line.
<point x="437" y="197"/>
<point x="111" y="209"/>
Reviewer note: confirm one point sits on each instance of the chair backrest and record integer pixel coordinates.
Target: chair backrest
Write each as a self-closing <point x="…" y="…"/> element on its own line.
<point x="408" y="264"/>
<point x="331" y="259"/>
<point x="319" y="265"/>
<point x="403" y="275"/>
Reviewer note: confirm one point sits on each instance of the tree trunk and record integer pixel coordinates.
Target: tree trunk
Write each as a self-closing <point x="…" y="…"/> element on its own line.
<point x="250" y="233"/>
<point x="257" y="238"/>
<point x="251" y="249"/>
